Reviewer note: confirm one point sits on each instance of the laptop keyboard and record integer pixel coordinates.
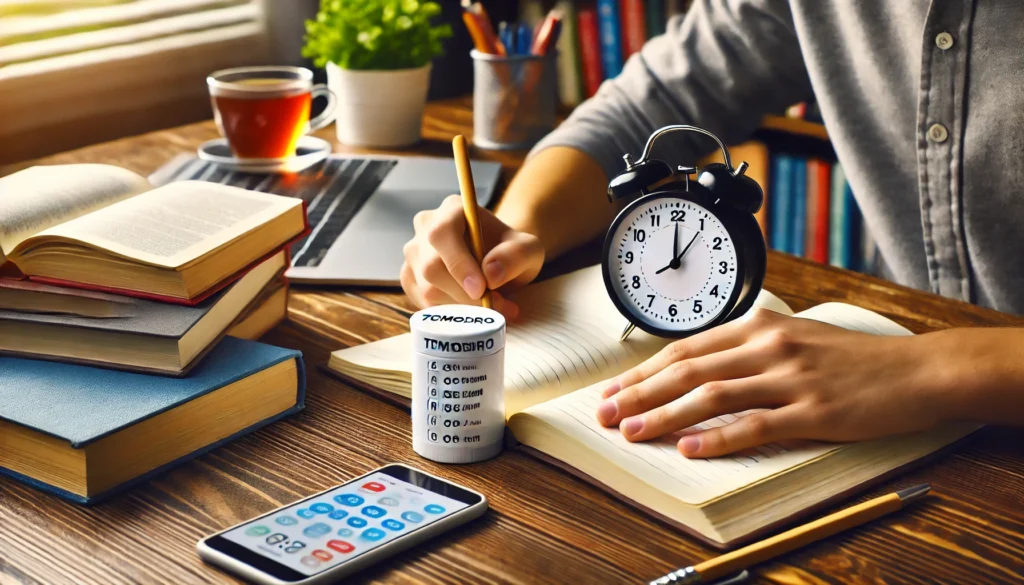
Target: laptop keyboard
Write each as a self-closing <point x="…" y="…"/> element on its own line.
<point x="334" y="191"/>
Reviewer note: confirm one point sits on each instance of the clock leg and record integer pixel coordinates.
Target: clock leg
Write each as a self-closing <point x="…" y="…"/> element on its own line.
<point x="625" y="332"/>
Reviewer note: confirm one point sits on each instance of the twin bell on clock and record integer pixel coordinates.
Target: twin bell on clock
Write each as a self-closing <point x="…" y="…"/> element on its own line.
<point x="687" y="253"/>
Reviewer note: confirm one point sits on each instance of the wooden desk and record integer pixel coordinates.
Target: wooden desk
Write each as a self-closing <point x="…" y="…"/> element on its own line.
<point x="545" y="526"/>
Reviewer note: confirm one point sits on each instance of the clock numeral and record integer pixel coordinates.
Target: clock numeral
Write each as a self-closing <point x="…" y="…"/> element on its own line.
<point x="696" y="306"/>
<point x="714" y="291"/>
<point x="678" y="215"/>
<point x="717" y="243"/>
<point x="639" y="235"/>
<point x="636" y="282"/>
<point x="650" y="300"/>
<point x="723" y="267"/>
<point x="702" y="223"/>
<point x="672" y="310"/>
<point x="629" y="257"/>
<point x="655" y="220"/>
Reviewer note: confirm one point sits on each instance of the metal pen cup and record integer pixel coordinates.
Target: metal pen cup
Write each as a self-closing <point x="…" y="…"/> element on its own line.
<point x="514" y="99"/>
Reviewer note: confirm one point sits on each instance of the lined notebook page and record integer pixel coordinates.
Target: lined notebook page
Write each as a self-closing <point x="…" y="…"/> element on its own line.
<point x="566" y="338"/>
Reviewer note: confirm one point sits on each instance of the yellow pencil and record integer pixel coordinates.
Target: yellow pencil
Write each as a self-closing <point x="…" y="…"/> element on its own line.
<point x="469" y="204"/>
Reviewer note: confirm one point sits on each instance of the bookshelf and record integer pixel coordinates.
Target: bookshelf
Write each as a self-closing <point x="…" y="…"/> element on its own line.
<point x="795" y="126"/>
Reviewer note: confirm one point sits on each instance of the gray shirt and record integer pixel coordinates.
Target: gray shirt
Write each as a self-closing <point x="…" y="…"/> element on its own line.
<point x="923" y="101"/>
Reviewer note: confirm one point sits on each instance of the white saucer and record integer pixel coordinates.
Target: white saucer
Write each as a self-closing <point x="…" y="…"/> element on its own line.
<point x="308" y="151"/>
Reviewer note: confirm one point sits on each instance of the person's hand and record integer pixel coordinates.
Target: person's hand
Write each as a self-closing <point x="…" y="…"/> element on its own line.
<point x="439" y="266"/>
<point x="817" y="381"/>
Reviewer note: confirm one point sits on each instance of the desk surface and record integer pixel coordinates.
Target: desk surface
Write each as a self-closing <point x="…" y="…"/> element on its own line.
<point x="545" y="526"/>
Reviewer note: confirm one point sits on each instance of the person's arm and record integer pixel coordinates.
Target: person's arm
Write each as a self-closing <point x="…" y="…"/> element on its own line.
<point x="722" y="67"/>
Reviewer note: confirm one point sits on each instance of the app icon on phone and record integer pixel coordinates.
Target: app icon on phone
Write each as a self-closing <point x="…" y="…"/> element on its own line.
<point x="357" y="522"/>
<point x="257" y="531"/>
<point x="337" y="514"/>
<point x="340" y="546"/>
<point x="310" y="562"/>
<point x="411" y="516"/>
<point x="350" y="500"/>
<point x="373" y="534"/>
<point x="322" y="555"/>
<point x="374" y="511"/>
<point x="317" y="530"/>
<point x="286" y="521"/>
<point x="305" y="513"/>
<point x="346" y="532"/>
<point x="392" y="524"/>
<point x="321" y="508"/>
<point x="433" y="509"/>
<point x="388" y="501"/>
<point x="374" y="486"/>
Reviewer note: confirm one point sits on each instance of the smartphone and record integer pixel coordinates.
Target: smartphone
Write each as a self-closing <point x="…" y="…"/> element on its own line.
<point x="337" y="532"/>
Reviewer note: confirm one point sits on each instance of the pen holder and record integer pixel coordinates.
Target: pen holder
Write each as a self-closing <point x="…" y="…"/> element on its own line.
<point x="513" y="99"/>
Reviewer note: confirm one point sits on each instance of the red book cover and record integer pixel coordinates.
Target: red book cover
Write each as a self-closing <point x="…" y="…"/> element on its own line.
<point x="634" y="26"/>
<point x="590" y="49"/>
<point x="819" y="191"/>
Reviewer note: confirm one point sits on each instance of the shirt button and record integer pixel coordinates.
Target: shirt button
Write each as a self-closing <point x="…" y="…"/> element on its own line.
<point x="944" y="41"/>
<point x="938" y="133"/>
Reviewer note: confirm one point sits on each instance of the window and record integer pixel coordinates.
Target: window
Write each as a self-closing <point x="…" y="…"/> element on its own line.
<point x="74" y="72"/>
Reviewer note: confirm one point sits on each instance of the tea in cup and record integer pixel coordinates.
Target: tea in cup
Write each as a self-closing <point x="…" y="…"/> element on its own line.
<point x="263" y="111"/>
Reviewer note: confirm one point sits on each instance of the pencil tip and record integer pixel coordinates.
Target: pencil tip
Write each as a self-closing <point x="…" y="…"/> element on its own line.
<point x="908" y="495"/>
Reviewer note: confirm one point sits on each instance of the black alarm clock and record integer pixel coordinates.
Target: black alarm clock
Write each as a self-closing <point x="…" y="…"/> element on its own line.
<point x="687" y="254"/>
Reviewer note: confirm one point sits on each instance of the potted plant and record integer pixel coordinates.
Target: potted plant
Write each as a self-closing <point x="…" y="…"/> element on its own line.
<point x="378" y="55"/>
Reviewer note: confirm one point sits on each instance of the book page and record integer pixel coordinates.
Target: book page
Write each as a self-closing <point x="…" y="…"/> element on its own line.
<point x="41" y="197"/>
<point x="658" y="463"/>
<point x="854" y="318"/>
<point x="566" y="338"/>
<point x="176" y="224"/>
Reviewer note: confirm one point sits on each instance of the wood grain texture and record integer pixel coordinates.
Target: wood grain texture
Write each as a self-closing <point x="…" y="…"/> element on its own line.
<point x="545" y="526"/>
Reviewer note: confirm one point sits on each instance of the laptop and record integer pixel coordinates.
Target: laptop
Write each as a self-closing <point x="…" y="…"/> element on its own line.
<point x="360" y="208"/>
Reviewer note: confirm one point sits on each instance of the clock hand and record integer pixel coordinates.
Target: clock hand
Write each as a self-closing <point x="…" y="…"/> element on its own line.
<point x="675" y="240"/>
<point x="677" y="261"/>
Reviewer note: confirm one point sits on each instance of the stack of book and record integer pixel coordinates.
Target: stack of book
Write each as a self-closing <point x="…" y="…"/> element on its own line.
<point x="117" y="306"/>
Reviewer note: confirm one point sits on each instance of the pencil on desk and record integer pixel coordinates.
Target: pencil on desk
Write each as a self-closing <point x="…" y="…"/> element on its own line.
<point x="469" y="205"/>
<point x="728" y="564"/>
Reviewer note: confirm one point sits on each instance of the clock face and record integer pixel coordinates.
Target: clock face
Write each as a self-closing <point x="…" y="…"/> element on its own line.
<point x="672" y="264"/>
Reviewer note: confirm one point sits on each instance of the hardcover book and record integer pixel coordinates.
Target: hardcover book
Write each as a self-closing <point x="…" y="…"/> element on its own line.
<point x="84" y="433"/>
<point x="104" y="228"/>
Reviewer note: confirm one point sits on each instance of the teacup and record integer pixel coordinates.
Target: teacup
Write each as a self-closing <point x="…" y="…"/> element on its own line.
<point x="263" y="111"/>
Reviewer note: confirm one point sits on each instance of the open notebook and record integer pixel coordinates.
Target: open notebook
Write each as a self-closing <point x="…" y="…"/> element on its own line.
<point x="558" y="357"/>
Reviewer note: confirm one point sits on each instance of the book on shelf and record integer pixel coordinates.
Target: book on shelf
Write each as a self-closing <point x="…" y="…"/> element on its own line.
<point x="781" y="177"/>
<point x="266" y="312"/>
<point x="570" y="69"/>
<point x="558" y="358"/>
<point x="657" y="17"/>
<point x="633" y="27"/>
<point x="151" y="337"/>
<point x="798" y="224"/>
<point x="590" y="49"/>
<point x="104" y="430"/>
<point x="610" y="26"/>
<point x="104" y="228"/>
<point x="819" y="192"/>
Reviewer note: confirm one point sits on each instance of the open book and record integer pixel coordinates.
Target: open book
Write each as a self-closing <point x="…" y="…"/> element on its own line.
<point x="104" y="228"/>
<point x="558" y="359"/>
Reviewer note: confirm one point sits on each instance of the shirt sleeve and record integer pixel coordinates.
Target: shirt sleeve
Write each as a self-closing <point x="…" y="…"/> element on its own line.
<point x="722" y="67"/>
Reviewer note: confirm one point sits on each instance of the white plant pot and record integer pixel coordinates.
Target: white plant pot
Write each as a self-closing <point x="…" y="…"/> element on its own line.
<point x="382" y="109"/>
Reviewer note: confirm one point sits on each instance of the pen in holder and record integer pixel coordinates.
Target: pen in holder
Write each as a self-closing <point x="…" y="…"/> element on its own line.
<point x="514" y="99"/>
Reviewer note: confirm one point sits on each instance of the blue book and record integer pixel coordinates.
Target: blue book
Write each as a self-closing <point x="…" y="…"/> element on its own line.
<point x="798" y="187"/>
<point x="781" y="204"/>
<point x="838" y="222"/>
<point x="86" y="433"/>
<point x="610" y="26"/>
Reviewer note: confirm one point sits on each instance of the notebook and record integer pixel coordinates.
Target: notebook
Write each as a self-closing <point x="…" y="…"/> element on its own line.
<point x="559" y="358"/>
<point x="101" y="227"/>
<point x="149" y="337"/>
<point x="85" y="433"/>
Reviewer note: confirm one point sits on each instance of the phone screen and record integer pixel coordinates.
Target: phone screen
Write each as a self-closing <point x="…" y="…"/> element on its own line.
<point x="341" y="524"/>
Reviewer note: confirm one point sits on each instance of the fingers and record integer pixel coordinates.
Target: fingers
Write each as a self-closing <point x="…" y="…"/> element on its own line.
<point x="446" y="233"/>
<point x="709" y="342"/>
<point x="676" y="380"/>
<point x="704" y="403"/>
<point x="515" y="260"/>
<point x="749" y="431"/>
